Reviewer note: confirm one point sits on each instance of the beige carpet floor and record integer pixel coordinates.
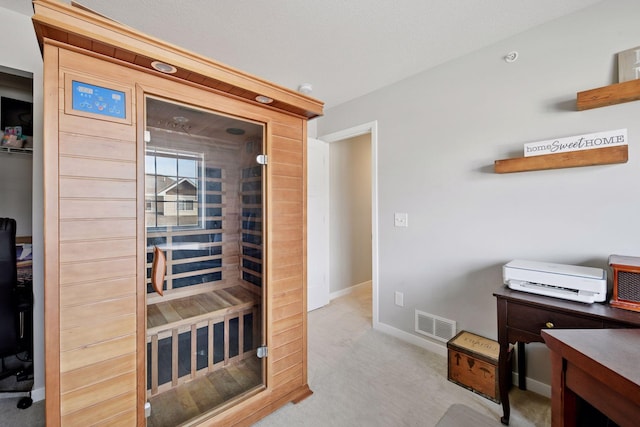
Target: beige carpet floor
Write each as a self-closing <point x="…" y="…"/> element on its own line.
<point x="362" y="377"/>
<point x="461" y="415"/>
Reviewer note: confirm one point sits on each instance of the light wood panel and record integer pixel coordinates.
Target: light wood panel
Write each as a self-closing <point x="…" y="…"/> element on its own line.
<point x="104" y="411"/>
<point x="85" y="293"/>
<point x="71" y="274"/>
<point x="51" y="237"/>
<point x="93" y="128"/>
<point x="93" y="395"/>
<point x="75" y="188"/>
<point x="596" y="156"/>
<point x="97" y="147"/>
<point x="83" y="377"/>
<point x="86" y="250"/>
<point x="76" y="316"/>
<point x="96" y="328"/>
<point x="95" y="169"/>
<point x="99" y="352"/>
<point x="292" y="375"/>
<point x="609" y="95"/>
<point x="99" y="239"/>
<point x="97" y="229"/>
<point x="102" y="330"/>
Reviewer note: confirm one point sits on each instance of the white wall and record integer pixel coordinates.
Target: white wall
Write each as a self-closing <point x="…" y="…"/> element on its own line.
<point x="439" y="134"/>
<point x="20" y="51"/>
<point x="350" y="212"/>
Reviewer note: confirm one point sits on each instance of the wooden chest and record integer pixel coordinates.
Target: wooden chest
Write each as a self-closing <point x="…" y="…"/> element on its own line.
<point x="473" y="364"/>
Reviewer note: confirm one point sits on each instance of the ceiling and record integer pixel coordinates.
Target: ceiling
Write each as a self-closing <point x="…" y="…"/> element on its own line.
<point x="344" y="48"/>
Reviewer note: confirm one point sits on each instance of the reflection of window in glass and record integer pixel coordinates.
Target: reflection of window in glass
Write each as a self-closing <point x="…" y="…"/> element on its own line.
<point x="172" y="189"/>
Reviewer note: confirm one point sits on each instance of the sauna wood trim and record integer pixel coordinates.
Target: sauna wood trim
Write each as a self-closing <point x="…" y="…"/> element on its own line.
<point x="141" y="271"/>
<point x="51" y="232"/>
<point x="76" y="26"/>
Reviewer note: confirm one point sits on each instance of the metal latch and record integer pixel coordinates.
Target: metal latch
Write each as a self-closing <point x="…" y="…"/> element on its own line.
<point x="261" y="159"/>
<point x="262" y="352"/>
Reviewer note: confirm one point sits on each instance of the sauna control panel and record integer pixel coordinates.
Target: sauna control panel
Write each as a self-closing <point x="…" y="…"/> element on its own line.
<point x="98" y="100"/>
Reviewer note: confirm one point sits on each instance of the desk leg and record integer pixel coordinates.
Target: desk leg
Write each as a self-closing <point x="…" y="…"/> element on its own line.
<point x="504" y="373"/>
<point x="522" y="367"/>
<point x="503" y="381"/>
<point x="563" y="400"/>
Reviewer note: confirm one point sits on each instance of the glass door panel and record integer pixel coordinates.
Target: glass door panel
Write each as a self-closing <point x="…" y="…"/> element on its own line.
<point x="204" y="212"/>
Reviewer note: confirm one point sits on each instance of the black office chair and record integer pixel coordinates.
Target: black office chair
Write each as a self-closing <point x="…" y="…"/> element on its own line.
<point x="9" y="334"/>
<point x="12" y="302"/>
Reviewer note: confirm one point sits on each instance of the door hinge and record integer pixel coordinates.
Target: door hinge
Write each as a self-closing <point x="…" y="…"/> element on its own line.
<point x="262" y="159"/>
<point x="262" y="352"/>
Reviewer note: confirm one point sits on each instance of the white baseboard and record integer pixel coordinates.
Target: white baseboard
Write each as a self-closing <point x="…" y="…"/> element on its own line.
<point x="347" y="291"/>
<point x="533" y="385"/>
<point x="441" y="349"/>
<point x="36" y="394"/>
<point x="434" y="347"/>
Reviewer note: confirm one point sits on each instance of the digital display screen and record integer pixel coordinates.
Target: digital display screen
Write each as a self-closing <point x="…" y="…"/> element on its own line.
<point x="98" y="100"/>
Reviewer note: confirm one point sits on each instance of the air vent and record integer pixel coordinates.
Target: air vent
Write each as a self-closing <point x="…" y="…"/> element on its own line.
<point x="435" y="326"/>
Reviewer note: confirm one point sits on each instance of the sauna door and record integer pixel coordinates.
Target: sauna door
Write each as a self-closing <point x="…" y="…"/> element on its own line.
<point x="204" y="216"/>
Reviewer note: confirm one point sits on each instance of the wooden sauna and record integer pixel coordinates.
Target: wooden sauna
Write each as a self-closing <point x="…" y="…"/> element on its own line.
<point x="203" y="168"/>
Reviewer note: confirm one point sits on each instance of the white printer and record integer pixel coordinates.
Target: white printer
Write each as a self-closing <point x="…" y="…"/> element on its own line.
<point x="571" y="282"/>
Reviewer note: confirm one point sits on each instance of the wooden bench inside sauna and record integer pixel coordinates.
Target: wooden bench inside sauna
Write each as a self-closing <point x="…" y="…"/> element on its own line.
<point x="192" y="336"/>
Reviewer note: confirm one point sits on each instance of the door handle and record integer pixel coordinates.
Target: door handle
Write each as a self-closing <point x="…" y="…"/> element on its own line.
<point x="158" y="270"/>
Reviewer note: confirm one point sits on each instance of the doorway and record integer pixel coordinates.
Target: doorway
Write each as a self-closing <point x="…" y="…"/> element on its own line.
<point x="16" y="193"/>
<point x="370" y="130"/>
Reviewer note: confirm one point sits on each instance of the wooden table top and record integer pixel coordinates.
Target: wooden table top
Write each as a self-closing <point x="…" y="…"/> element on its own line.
<point x="605" y="353"/>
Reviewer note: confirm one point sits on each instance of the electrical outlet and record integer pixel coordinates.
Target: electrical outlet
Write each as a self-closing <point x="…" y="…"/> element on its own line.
<point x="399" y="299"/>
<point x="401" y="219"/>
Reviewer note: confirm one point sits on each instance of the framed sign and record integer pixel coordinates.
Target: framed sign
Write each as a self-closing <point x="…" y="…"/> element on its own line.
<point x="629" y="65"/>
<point x="576" y="143"/>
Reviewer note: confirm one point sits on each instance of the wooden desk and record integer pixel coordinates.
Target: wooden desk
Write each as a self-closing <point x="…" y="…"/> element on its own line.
<point x="601" y="367"/>
<point x="522" y="316"/>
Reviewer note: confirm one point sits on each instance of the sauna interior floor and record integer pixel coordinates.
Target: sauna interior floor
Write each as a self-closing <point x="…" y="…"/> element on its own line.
<point x="178" y="405"/>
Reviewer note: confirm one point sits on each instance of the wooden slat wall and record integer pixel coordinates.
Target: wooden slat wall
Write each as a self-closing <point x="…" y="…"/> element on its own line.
<point x="94" y="270"/>
<point x="286" y="226"/>
<point x="97" y="194"/>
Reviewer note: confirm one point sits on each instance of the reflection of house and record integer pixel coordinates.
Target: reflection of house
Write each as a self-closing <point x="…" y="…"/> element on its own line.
<point x="171" y="198"/>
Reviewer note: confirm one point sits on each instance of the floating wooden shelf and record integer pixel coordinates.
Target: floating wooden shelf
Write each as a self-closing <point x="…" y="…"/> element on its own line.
<point x="609" y="95"/>
<point x="597" y="156"/>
